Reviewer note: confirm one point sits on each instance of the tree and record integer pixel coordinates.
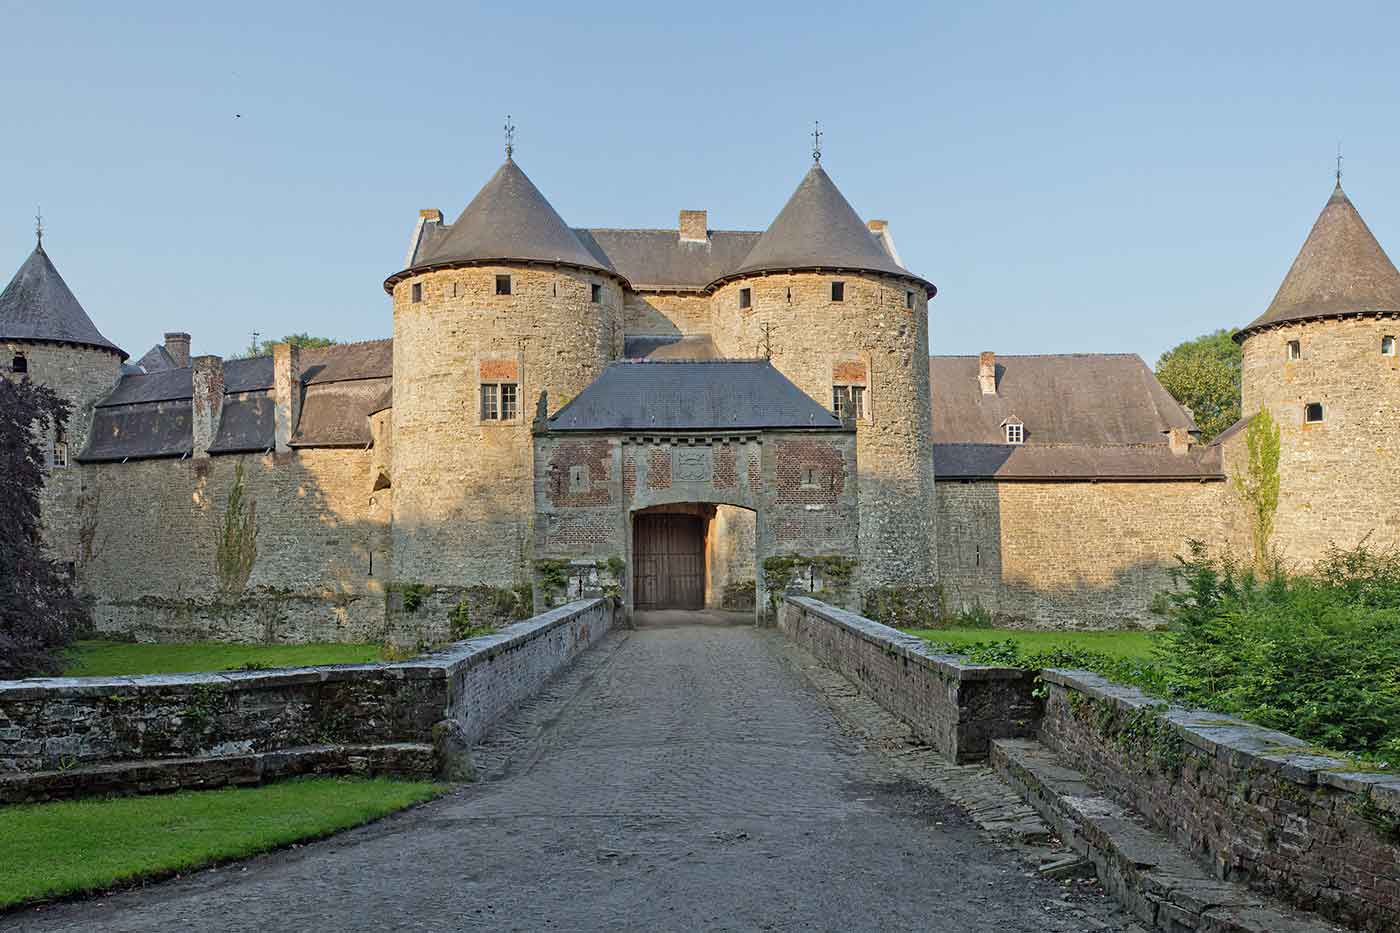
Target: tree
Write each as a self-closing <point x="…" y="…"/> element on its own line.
<point x="40" y="611"/>
<point x="264" y="348"/>
<point x="1204" y="375"/>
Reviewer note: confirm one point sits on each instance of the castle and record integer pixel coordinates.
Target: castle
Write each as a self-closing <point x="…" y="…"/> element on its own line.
<point x="662" y="414"/>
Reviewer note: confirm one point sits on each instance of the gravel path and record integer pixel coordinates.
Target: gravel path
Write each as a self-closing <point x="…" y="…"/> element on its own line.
<point x="678" y="778"/>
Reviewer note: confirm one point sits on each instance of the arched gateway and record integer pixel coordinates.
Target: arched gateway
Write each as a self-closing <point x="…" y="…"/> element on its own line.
<point x="702" y="469"/>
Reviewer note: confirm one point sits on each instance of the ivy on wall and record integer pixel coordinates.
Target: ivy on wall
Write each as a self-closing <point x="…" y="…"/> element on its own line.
<point x="782" y="570"/>
<point x="237" y="547"/>
<point x="1259" y="483"/>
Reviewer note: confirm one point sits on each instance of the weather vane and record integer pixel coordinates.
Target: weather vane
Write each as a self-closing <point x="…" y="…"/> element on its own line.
<point x="39" y="225"/>
<point x="510" y="138"/>
<point x="1339" y="161"/>
<point x="816" y="140"/>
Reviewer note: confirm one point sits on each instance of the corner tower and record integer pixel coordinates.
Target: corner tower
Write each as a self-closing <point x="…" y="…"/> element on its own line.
<point x="823" y="295"/>
<point x="1323" y="359"/>
<point x="502" y="305"/>
<point x="45" y="335"/>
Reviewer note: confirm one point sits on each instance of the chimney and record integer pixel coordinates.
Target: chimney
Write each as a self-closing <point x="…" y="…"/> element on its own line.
<point x="431" y="215"/>
<point x="1180" y="440"/>
<point x="878" y="227"/>
<point x="178" y="346"/>
<point x="987" y="372"/>
<point x="208" y="401"/>
<point x="286" y="393"/>
<point x="695" y="227"/>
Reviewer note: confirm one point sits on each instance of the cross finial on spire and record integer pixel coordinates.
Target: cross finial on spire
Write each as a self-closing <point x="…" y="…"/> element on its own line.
<point x="510" y="138"/>
<point x="39" y="225"/>
<point x="1339" y="163"/>
<point x="816" y="140"/>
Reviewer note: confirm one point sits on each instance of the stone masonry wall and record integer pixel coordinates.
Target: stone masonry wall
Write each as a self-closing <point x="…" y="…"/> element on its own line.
<point x="463" y="486"/>
<point x="62" y="736"/>
<point x="322" y="560"/>
<point x="956" y="707"/>
<point x="83" y="376"/>
<point x="666" y="313"/>
<point x="1255" y="805"/>
<point x="1069" y="555"/>
<point x="1339" y="480"/>
<point x="817" y="342"/>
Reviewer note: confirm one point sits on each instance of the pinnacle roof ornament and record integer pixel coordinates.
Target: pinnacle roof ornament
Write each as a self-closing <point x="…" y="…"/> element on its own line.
<point x="816" y="141"/>
<point x="510" y="139"/>
<point x="39" y="226"/>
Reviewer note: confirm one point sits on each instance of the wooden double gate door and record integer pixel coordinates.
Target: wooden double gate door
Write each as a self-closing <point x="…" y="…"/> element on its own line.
<point x="669" y="559"/>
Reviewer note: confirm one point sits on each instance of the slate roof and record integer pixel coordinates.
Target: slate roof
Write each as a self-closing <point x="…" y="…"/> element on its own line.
<point x="1340" y="271"/>
<point x="156" y="360"/>
<point x="1086" y="416"/>
<point x="818" y="228"/>
<point x="660" y="259"/>
<point x="670" y="347"/>
<point x="148" y="414"/>
<point x="508" y="219"/>
<point x="38" y="305"/>
<point x="691" y="396"/>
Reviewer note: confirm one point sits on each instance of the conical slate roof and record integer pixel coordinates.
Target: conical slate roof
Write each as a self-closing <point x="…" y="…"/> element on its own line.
<point x="1341" y="270"/>
<point x="38" y="305"/>
<point x="510" y="219"/>
<point x="818" y="228"/>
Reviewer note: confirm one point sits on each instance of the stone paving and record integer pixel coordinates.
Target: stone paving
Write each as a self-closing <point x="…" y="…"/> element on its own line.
<point x="676" y="778"/>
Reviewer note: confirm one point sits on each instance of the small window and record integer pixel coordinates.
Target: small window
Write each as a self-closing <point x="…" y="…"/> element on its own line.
<point x="1312" y="412"/>
<point x="848" y="402"/>
<point x="417" y="292"/>
<point x="19" y="364"/>
<point x="578" y="478"/>
<point x="60" y="450"/>
<point x="909" y="300"/>
<point x="596" y="293"/>
<point x="502" y="285"/>
<point x="745" y="297"/>
<point x="789" y="294"/>
<point x="809" y="476"/>
<point x="1387" y="346"/>
<point x="1015" y="433"/>
<point x="838" y="291"/>
<point x="1295" y="349"/>
<point x="500" y="401"/>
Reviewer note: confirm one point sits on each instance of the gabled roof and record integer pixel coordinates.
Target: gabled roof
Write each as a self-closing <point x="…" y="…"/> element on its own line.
<point x="818" y="229"/>
<point x="1340" y="271"/>
<point x="509" y="219"/>
<point x="713" y="395"/>
<point x="660" y="259"/>
<point x="157" y="359"/>
<point x="38" y="305"/>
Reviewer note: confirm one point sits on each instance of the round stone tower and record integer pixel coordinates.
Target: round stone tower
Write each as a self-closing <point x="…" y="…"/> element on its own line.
<point x="824" y="296"/>
<point x="46" y="336"/>
<point x="1323" y="360"/>
<point x="502" y="305"/>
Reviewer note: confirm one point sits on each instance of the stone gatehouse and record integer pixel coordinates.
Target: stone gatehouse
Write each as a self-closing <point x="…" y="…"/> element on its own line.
<point x="658" y="413"/>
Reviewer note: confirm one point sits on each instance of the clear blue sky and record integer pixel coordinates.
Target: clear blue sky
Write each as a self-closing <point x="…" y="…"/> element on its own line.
<point x="1073" y="176"/>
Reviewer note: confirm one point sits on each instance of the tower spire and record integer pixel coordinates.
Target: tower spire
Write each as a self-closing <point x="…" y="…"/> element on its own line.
<point x="510" y="139"/>
<point x="816" y="141"/>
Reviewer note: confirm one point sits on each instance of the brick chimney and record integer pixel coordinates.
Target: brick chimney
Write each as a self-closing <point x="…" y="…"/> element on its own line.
<point x="878" y="227"/>
<point x="1180" y="440"/>
<point x="177" y="345"/>
<point x="286" y="393"/>
<point x="430" y="215"/>
<point x="695" y="226"/>
<point x="208" y="401"/>
<point x="987" y="372"/>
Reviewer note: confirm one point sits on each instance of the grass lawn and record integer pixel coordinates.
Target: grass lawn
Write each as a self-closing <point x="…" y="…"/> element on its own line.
<point x="1135" y="645"/>
<point x="51" y="849"/>
<point x="116" y="658"/>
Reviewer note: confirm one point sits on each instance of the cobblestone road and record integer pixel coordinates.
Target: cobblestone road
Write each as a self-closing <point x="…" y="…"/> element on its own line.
<point x="678" y="778"/>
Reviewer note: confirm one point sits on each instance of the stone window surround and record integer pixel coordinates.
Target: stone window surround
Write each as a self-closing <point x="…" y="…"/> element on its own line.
<point x="1388" y="345"/>
<point x="416" y="293"/>
<point x="1314" y="408"/>
<point x="838" y="290"/>
<point x="745" y="299"/>
<point x="1294" y="350"/>
<point x="503" y="284"/>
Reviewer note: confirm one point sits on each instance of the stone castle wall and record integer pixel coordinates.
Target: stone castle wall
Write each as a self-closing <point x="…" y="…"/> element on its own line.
<point x="1338" y="480"/>
<point x="323" y="549"/>
<point x="666" y="313"/>
<point x="83" y="376"/>
<point x="463" y="486"/>
<point x="1069" y="555"/>
<point x="870" y="338"/>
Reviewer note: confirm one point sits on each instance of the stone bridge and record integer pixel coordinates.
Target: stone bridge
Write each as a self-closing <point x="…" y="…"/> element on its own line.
<point x="697" y="774"/>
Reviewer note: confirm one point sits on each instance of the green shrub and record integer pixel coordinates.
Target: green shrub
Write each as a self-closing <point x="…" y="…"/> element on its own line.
<point x="462" y="625"/>
<point x="1009" y="653"/>
<point x="1315" y="655"/>
<point x="917" y="606"/>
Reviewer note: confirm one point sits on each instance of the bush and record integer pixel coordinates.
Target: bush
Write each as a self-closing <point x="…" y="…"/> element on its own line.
<point x="1315" y="655"/>
<point x="916" y="606"/>
<point x="1008" y="653"/>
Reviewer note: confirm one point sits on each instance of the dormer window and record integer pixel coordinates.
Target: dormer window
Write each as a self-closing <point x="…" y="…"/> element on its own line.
<point x="19" y="364"/>
<point x="1387" y="345"/>
<point x="1295" y="350"/>
<point x="1015" y="432"/>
